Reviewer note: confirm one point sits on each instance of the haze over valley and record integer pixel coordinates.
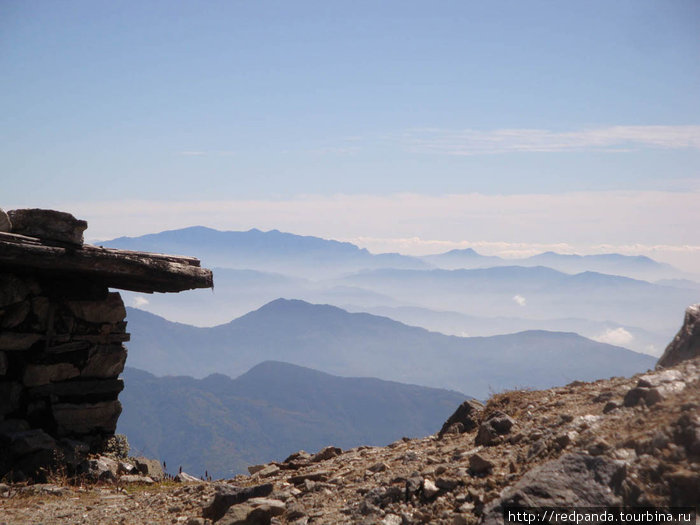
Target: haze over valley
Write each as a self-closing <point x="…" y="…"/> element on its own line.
<point x="457" y="293"/>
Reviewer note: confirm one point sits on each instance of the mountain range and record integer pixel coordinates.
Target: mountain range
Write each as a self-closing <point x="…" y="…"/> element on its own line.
<point x="222" y="425"/>
<point x="464" y="325"/>
<point x="486" y="295"/>
<point x="636" y="266"/>
<point x="532" y="292"/>
<point x="270" y="251"/>
<point x="314" y="257"/>
<point x="331" y="340"/>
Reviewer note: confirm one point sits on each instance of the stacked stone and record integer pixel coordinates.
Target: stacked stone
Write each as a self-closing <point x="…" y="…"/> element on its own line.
<point x="61" y="353"/>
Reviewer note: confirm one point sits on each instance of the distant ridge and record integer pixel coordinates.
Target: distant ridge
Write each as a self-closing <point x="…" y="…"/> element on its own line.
<point x="331" y="340"/>
<point x="636" y="266"/>
<point x="223" y="425"/>
<point x="271" y="251"/>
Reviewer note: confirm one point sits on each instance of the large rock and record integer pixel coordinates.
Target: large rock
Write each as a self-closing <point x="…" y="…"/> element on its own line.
<point x="150" y="467"/>
<point x="15" y="314"/>
<point x="12" y="290"/>
<point x="17" y="340"/>
<point x="29" y="441"/>
<point x="48" y="224"/>
<point x="686" y="344"/>
<point x="74" y="389"/>
<point x="652" y="388"/>
<point x="86" y="418"/>
<point x="464" y="419"/>
<point x="102" y="468"/>
<point x="109" y="310"/>
<point x="105" y="361"/>
<point x="573" y="480"/>
<point x="36" y="375"/>
<point x="10" y="395"/>
<point x="5" y="222"/>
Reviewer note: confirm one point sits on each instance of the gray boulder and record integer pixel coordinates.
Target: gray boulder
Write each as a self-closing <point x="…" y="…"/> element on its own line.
<point x="150" y="467"/>
<point x="686" y="344"/>
<point x="464" y="418"/>
<point x="496" y="425"/>
<point x="573" y="480"/>
<point x="48" y="224"/>
<point x="227" y="496"/>
<point x="5" y="223"/>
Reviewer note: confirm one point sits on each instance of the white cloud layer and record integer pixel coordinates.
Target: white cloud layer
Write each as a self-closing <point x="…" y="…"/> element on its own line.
<point x="662" y="225"/>
<point x="139" y="301"/>
<point x="615" y="336"/>
<point x="612" y="138"/>
<point x="520" y="300"/>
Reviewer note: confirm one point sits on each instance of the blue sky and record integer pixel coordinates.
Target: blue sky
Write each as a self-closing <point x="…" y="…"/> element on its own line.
<point x="273" y="101"/>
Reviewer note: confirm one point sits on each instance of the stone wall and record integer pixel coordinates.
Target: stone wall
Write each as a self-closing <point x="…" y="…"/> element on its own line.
<point x="61" y="353"/>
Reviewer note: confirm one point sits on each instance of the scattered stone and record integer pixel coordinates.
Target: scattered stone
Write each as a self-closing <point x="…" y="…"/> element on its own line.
<point x="48" y="224"/>
<point x="252" y="469"/>
<point x="295" y="511"/>
<point x="184" y="477"/>
<point x="497" y="424"/>
<point x="136" y="478"/>
<point x="297" y="456"/>
<point x="326" y="453"/>
<point x="319" y="475"/>
<point x="269" y="470"/>
<point x="429" y="489"/>
<point x="227" y="496"/>
<point x="610" y="406"/>
<point x="124" y="468"/>
<point x="464" y="418"/>
<point x="447" y="484"/>
<point x="378" y="467"/>
<point x="480" y="465"/>
<point x="391" y="519"/>
<point x="652" y="388"/>
<point x="684" y="487"/>
<point x="600" y="446"/>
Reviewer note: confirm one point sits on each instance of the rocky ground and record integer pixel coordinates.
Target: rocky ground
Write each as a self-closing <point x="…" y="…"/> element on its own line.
<point x="623" y="441"/>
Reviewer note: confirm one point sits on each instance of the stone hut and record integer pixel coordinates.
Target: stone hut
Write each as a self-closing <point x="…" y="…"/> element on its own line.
<point x="62" y="335"/>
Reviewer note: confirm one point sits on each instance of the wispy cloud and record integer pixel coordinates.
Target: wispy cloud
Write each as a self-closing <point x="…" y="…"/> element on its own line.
<point x="611" y="139"/>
